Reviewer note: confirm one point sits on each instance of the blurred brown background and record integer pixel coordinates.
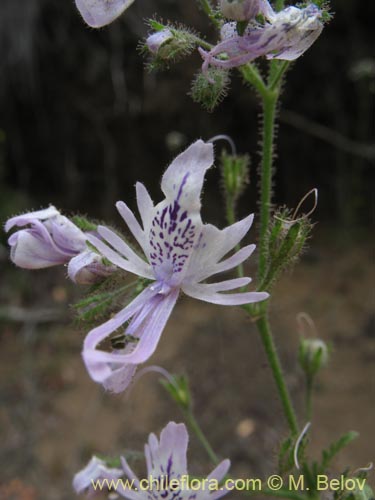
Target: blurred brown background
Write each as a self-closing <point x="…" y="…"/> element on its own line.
<point x="81" y="121"/>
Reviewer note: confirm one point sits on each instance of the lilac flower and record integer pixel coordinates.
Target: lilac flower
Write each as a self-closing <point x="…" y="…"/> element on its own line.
<point x="286" y="35"/>
<point x="51" y="239"/>
<point x="181" y="252"/>
<point x="94" y="471"/>
<point x="167" y="470"/>
<point x="98" y="13"/>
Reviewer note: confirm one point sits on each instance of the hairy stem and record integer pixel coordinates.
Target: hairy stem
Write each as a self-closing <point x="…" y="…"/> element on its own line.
<point x="273" y="358"/>
<point x="269" y="113"/>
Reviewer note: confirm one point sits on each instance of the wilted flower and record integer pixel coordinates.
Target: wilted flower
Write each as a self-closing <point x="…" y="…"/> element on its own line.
<point x="180" y="251"/>
<point x="94" y="471"/>
<point x="98" y="13"/>
<point x="286" y="35"/>
<point x="51" y="239"/>
<point x="167" y="470"/>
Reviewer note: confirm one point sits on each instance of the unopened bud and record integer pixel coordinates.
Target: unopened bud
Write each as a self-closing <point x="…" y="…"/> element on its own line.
<point x="210" y="88"/>
<point x="168" y="44"/>
<point x="240" y="10"/>
<point x="287" y="238"/>
<point x="155" y="41"/>
<point x="235" y="171"/>
<point x="178" y="389"/>
<point x="313" y="355"/>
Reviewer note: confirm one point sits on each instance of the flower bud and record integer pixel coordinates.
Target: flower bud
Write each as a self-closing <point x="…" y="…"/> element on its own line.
<point x="286" y="240"/>
<point x="313" y="355"/>
<point x="240" y="10"/>
<point x="155" y="41"/>
<point x="179" y="391"/>
<point x="168" y="44"/>
<point x="235" y="170"/>
<point x="210" y="88"/>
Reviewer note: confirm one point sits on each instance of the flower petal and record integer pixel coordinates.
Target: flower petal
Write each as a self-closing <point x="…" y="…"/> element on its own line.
<point x="145" y="206"/>
<point x="168" y="457"/>
<point x="98" y="13"/>
<point x="177" y="225"/>
<point x="150" y="312"/>
<point x="225" y="265"/>
<point x="230" y="299"/>
<point x="95" y="470"/>
<point x="133" y="226"/>
<point x="28" y="218"/>
<point x="86" y="268"/>
<point x="30" y="250"/>
<point x="123" y="248"/>
<point x="213" y="245"/>
<point x="183" y="179"/>
<point x="116" y="259"/>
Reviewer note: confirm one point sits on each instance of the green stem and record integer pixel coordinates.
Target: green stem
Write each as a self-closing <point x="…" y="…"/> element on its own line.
<point x="208" y="10"/>
<point x="251" y="75"/>
<point x="195" y="427"/>
<point x="269" y="115"/>
<point x="278" y="74"/>
<point x="273" y="358"/>
<point x="309" y="397"/>
<point x="203" y="43"/>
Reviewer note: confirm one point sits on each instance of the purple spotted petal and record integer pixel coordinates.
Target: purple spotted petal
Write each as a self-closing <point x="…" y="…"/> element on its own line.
<point x="98" y="13"/>
<point x="168" y="457"/>
<point x="176" y="225"/>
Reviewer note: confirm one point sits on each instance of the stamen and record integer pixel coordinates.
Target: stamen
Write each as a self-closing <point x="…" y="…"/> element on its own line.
<point x="304" y="319"/>
<point x="224" y="137"/>
<point x="369" y="467"/>
<point x="298" y="444"/>
<point x="313" y="191"/>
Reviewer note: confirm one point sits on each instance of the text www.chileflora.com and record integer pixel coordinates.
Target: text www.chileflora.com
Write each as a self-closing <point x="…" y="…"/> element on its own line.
<point x="274" y="483"/>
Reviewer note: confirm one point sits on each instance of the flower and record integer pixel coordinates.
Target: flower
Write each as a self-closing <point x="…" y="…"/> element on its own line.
<point x="180" y="253"/>
<point x="94" y="471"/>
<point x="286" y="35"/>
<point x="52" y="239"/>
<point x="98" y="13"/>
<point x="167" y="470"/>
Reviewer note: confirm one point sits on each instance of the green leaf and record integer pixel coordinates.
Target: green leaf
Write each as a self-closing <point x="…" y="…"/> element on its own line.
<point x="336" y="447"/>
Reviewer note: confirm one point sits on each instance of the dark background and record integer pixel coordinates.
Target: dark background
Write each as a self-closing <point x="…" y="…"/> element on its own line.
<point x="81" y="121"/>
